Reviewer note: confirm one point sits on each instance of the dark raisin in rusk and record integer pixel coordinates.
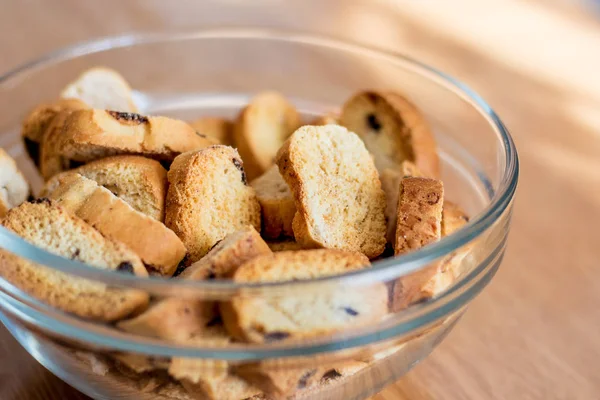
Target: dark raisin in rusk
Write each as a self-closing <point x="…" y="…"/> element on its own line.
<point x="276" y="336"/>
<point x="129" y="117"/>
<point x="351" y="311"/>
<point x="331" y="375"/>
<point x="238" y="164"/>
<point x="303" y="381"/>
<point x="373" y="122"/>
<point x="125" y="267"/>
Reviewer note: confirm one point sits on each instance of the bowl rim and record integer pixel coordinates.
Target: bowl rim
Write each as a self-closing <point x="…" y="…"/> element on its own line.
<point x="383" y="270"/>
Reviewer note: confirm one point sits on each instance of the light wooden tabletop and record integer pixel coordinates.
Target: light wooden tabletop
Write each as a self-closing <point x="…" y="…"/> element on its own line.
<point x="532" y="334"/>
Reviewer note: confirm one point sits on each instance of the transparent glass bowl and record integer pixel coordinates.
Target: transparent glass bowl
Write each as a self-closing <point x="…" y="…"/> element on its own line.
<point x="215" y="72"/>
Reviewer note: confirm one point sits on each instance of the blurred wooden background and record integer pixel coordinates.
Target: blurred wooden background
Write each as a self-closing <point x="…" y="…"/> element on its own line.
<point x="533" y="333"/>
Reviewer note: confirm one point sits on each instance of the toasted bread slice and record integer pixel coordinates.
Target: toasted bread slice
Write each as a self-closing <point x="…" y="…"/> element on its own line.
<point x="14" y="188"/>
<point x="276" y="202"/>
<point x="209" y="198"/>
<point x="271" y="318"/>
<point x="419" y="224"/>
<point x="140" y="182"/>
<point x="50" y="227"/>
<point x="261" y="129"/>
<point x="393" y="129"/>
<point x="92" y="134"/>
<point x="217" y="128"/>
<point x="337" y="192"/>
<point x="159" y="248"/>
<point x="227" y="255"/>
<point x="390" y="183"/>
<point x="101" y="87"/>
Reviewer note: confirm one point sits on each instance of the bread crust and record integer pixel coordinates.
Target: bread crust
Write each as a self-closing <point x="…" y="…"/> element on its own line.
<point x="393" y="129"/>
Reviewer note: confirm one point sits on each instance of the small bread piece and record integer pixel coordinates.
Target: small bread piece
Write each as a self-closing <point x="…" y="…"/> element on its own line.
<point x="300" y="315"/>
<point x="261" y="129"/>
<point x="51" y="162"/>
<point x="141" y="363"/>
<point x="217" y="128"/>
<point x="390" y="183"/>
<point x="453" y="218"/>
<point x="89" y="135"/>
<point x="173" y="319"/>
<point x="38" y="121"/>
<point x="276" y="202"/>
<point x="211" y="379"/>
<point x="327" y="119"/>
<point x="14" y="188"/>
<point x="208" y="198"/>
<point x="101" y="87"/>
<point x="227" y="255"/>
<point x="420" y="206"/>
<point x="393" y="129"/>
<point x="279" y="383"/>
<point x="336" y="189"/>
<point x="284" y="245"/>
<point x="52" y="228"/>
<point x="282" y="381"/>
<point x="140" y="182"/>
<point x="159" y="247"/>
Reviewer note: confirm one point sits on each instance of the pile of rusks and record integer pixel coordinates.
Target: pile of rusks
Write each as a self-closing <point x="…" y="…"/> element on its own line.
<point x="260" y="199"/>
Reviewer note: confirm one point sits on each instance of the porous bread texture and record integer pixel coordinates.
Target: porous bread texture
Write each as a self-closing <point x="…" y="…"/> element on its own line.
<point x="140" y="182"/>
<point x="261" y="319"/>
<point x="419" y="224"/>
<point x="209" y="198"/>
<point x="159" y="248"/>
<point x="52" y="228"/>
<point x="337" y="192"/>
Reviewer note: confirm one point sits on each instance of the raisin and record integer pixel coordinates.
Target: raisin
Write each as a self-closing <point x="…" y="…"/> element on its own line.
<point x="373" y="122"/>
<point x="75" y="254"/>
<point x="303" y="381"/>
<point x="240" y="166"/>
<point x="351" y="311"/>
<point x="331" y="375"/>
<point x="132" y="118"/>
<point x="125" y="267"/>
<point x="276" y="336"/>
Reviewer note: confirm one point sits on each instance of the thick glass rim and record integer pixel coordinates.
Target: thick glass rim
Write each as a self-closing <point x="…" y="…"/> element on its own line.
<point x="381" y="271"/>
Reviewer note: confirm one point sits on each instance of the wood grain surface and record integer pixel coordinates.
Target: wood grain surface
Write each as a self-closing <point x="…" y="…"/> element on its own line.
<point x="532" y="334"/>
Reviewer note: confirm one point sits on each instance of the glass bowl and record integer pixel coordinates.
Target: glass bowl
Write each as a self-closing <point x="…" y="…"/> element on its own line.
<point x="215" y="72"/>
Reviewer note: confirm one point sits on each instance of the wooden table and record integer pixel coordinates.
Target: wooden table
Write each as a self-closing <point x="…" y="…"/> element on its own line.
<point x="533" y="333"/>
